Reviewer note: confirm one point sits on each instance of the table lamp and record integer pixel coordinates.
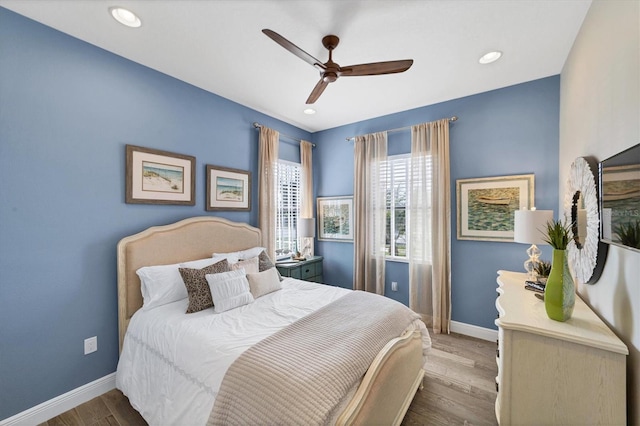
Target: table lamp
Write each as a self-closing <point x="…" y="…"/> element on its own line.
<point x="530" y="227"/>
<point x="306" y="232"/>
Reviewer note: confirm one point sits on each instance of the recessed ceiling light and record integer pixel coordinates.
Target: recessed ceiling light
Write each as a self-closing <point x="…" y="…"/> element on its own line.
<point x="487" y="58"/>
<point x="309" y="111"/>
<point x="125" y="17"/>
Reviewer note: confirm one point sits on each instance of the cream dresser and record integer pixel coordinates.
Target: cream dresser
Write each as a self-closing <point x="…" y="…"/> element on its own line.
<point x="550" y="372"/>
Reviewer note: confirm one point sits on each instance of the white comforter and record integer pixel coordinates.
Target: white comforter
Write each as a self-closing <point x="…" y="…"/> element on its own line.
<point x="172" y="364"/>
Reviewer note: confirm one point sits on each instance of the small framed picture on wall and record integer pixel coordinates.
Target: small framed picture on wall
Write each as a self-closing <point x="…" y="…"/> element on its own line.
<point x="159" y="177"/>
<point x="335" y="218"/>
<point x="228" y="189"/>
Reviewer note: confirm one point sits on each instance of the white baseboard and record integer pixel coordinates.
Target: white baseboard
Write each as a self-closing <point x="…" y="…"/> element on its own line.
<point x="58" y="405"/>
<point x="474" y="331"/>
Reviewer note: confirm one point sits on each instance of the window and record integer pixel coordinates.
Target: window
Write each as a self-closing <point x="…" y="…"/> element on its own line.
<point x="395" y="178"/>
<point x="288" y="208"/>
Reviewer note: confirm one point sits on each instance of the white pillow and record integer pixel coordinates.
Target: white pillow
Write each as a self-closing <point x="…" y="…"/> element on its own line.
<point x="163" y="284"/>
<point x="235" y="256"/>
<point x="229" y="290"/>
<point x="202" y="263"/>
<point x="264" y="282"/>
<point x="251" y="266"/>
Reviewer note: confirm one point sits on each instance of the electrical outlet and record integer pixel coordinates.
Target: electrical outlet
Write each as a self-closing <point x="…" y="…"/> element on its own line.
<point x="394" y="286"/>
<point x="90" y="345"/>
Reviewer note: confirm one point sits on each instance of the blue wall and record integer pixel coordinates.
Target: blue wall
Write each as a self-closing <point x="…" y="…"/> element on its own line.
<point x="503" y="132"/>
<point x="67" y="110"/>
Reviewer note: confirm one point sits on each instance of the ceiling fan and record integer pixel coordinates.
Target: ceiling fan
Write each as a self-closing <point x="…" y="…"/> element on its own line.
<point x="330" y="71"/>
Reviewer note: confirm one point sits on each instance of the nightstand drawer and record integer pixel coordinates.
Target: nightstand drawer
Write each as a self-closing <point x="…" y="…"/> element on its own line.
<point x="307" y="270"/>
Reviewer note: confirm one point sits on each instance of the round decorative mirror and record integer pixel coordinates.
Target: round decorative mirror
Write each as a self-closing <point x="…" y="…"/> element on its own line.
<point x="586" y="253"/>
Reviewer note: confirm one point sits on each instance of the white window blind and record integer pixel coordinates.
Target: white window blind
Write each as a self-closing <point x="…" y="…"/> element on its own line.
<point x="288" y="207"/>
<point x="394" y="177"/>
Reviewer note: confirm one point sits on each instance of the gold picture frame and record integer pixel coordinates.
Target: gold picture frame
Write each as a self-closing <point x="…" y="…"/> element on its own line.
<point x="486" y="206"/>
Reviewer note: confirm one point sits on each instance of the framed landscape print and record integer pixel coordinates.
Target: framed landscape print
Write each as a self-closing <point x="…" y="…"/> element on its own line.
<point x="159" y="177"/>
<point x="228" y="189"/>
<point x="486" y="206"/>
<point x="335" y="218"/>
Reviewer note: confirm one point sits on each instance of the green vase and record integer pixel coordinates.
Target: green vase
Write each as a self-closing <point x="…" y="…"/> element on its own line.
<point x="559" y="293"/>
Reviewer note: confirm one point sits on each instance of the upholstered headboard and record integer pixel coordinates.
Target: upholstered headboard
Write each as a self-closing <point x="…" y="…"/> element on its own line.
<point x="188" y="239"/>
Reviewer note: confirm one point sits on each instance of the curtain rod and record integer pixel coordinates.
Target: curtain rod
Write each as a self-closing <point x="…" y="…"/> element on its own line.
<point x="258" y="125"/>
<point x="454" y="118"/>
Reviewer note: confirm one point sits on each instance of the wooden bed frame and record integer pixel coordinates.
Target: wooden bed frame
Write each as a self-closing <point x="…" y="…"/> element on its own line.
<point x="388" y="387"/>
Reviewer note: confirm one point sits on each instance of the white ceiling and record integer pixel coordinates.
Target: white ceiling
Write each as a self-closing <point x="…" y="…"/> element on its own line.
<point x="218" y="45"/>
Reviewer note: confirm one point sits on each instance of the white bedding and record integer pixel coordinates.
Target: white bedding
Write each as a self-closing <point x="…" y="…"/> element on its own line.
<point x="172" y="364"/>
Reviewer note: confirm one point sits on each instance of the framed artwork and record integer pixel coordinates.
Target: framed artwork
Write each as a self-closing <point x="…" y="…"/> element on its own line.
<point x="486" y="206"/>
<point x="159" y="177"/>
<point x="335" y="218"/>
<point x="228" y="189"/>
<point x="620" y="202"/>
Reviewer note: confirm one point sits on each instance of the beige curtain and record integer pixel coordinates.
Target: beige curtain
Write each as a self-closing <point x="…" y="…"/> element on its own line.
<point x="267" y="201"/>
<point x="306" y="210"/>
<point x="430" y="225"/>
<point x="369" y="204"/>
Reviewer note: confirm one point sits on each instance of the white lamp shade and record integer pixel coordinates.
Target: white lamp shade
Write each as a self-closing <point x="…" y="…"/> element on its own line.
<point x="530" y="226"/>
<point x="306" y="227"/>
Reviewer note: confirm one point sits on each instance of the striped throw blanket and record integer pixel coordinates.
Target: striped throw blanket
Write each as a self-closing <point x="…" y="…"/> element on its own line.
<point x="302" y="373"/>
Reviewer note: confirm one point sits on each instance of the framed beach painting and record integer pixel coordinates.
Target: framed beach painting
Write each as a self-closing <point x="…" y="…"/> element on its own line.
<point x="335" y="218"/>
<point x="486" y="206"/>
<point x="228" y="189"/>
<point x="159" y="177"/>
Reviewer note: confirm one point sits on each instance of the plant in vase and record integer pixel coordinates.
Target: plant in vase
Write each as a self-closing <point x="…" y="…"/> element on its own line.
<point x="543" y="268"/>
<point x="559" y="293"/>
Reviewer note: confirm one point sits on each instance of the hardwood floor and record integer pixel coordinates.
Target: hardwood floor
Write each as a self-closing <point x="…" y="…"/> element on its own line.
<point x="109" y="409"/>
<point x="459" y="384"/>
<point x="459" y="389"/>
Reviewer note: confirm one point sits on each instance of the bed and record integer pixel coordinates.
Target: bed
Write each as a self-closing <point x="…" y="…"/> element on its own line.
<point x="382" y="396"/>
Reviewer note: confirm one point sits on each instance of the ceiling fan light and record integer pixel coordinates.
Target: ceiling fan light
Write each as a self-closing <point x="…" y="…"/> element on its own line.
<point x="490" y="57"/>
<point x="125" y="17"/>
<point x="309" y="111"/>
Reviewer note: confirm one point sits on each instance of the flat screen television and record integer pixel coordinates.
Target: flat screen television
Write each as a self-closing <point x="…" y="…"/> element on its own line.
<point x="620" y="199"/>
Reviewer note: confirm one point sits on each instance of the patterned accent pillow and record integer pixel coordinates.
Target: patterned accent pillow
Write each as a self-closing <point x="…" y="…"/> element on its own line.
<point x="197" y="286"/>
<point x="264" y="263"/>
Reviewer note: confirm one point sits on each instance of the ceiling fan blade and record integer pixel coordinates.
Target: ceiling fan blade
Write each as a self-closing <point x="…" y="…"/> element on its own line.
<point x="376" y="68"/>
<point x="294" y="49"/>
<point x="317" y="91"/>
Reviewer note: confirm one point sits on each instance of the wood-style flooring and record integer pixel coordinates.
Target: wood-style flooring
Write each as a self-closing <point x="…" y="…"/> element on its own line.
<point x="459" y="384"/>
<point x="459" y="389"/>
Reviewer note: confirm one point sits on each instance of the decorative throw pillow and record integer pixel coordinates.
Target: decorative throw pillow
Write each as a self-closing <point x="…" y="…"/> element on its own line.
<point x="264" y="282"/>
<point x="266" y="263"/>
<point x="250" y="265"/>
<point x="162" y="284"/>
<point x="229" y="290"/>
<point x="197" y="286"/>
